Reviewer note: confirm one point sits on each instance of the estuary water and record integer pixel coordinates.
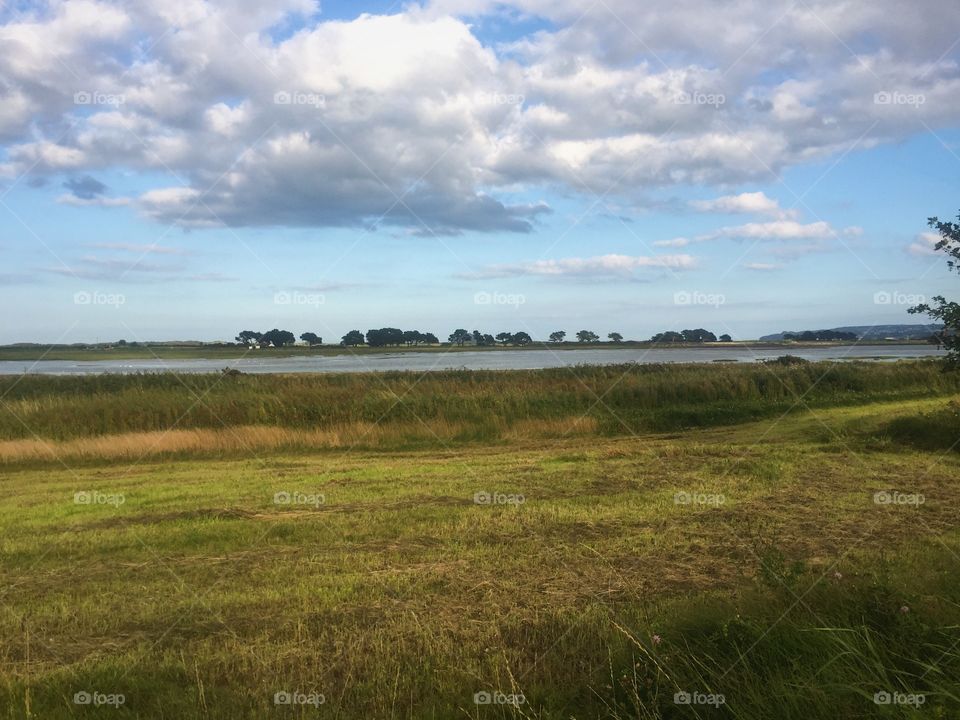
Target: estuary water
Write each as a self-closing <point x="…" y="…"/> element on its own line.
<point x="470" y="360"/>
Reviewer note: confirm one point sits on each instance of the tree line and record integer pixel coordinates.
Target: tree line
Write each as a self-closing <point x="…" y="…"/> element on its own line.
<point x="689" y="336"/>
<point x="809" y="335"/>
<point x="388" y="336"/>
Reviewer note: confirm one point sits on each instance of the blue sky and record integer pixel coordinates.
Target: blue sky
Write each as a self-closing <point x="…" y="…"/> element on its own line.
<point x="460" y="163"/>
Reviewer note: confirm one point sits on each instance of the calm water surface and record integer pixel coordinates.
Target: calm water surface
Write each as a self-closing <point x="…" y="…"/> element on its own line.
<point x="480" y="360"/>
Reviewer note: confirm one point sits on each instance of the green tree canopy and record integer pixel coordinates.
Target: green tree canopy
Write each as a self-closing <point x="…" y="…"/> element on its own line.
<point x="939" y="308"/>
<point x="459" y="336"/>
<point x="278" y="338"/>
<point x="352" y="338"/>
<point x="249" y="337"/>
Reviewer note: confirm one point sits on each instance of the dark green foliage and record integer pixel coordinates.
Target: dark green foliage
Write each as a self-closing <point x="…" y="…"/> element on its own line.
<point x="786" y="360"/>
<point x="278" y="338"/>
<point x="943" y="310"/>
<point x="930" y="431"/>
<point x="459" y="336"/>
<point x="815" y="335"/>
<point x="352" y="338"/>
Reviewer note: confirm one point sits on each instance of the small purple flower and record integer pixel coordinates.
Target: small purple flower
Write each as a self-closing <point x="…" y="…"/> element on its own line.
<point x="904" y="609"/>
<point x="656" y="639"/>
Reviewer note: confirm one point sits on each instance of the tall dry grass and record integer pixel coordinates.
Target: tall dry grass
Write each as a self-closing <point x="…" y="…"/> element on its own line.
<point x="481" y="405"/>
<point x="134" y="446"/>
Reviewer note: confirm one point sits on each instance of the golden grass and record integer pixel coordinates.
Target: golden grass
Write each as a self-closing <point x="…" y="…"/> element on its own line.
<point x="258" y="438"/>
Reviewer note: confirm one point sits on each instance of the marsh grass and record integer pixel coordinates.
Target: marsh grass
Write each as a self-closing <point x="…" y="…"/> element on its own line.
<point x="482" y="405"/>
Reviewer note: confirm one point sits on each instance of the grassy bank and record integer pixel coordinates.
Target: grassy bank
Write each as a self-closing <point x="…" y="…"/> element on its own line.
<point x="803" y="565"/>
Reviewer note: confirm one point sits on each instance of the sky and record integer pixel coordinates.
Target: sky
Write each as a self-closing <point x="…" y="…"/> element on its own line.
<point x="187" y="170"/>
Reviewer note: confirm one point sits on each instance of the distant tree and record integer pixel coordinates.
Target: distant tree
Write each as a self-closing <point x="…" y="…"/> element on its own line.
<point x="726" y="338"/>
<point x="249" y="337"/>
<point x="121" y="342"/>
<point x="521" y="338"/>
<point x="311" y="338"/>
<point x="504" y="337"/>
<point x="615" y="337"/>
<point x="669" y="336"/>
<point x="698" y="336"/>
<point x="352" y="338"/>
<point x="459" y="336"/>
<point x="412" y="337"/>
<point x="942" y="310"/>
<point x="587" y="336"/>
<point x="430" y="339"/>
<point x="557" y="336"/>
<point x="384" y="336"/>
<point x="278" y="338"/>
<point x="483" y="339"/>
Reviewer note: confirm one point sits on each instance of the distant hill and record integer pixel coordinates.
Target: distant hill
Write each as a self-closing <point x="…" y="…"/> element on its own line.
<point x="874" y="332"/>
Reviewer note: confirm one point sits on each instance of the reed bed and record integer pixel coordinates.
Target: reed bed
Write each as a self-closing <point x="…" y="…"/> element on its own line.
<point x="479" y="404"/>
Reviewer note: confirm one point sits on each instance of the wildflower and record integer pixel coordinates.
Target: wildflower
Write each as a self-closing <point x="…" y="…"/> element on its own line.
<point x="656" y="639"/>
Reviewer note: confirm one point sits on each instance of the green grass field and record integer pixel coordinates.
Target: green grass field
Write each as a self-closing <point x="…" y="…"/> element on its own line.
<point x="763" y="542"/>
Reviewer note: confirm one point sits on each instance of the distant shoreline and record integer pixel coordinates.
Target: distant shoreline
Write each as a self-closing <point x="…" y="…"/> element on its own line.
<point x="222" y="351"/>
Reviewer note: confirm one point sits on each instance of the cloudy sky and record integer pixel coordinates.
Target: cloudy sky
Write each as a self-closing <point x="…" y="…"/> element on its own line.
<point x="189" y="169"/>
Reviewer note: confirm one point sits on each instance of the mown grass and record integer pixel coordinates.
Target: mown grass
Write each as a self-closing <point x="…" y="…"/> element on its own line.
<point x="792" y="593"/>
